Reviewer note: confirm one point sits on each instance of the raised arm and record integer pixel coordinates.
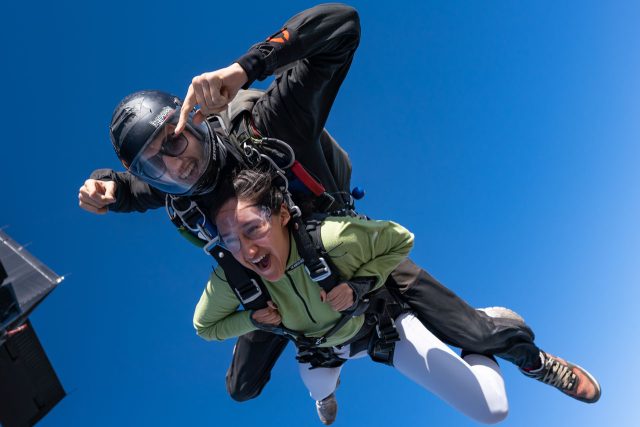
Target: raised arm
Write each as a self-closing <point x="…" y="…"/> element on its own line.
<point x="311" y="56"/>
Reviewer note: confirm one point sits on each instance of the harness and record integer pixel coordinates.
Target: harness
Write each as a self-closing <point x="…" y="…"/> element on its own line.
<point x="191" y="221"/>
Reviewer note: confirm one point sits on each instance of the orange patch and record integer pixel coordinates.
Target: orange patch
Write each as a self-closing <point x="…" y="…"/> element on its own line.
<point x="281" y="40"/>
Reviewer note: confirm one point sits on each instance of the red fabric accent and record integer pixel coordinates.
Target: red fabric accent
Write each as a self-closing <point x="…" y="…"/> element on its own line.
<point x="301" y="173"/>
<point x="17" y="330"/>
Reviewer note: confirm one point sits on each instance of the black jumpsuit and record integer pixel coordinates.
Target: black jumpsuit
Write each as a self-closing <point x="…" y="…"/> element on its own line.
<point x="311" y="56"/>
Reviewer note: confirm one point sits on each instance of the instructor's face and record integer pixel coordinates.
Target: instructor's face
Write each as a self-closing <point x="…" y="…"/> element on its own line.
<point x="181" y="156"/>
<point x="257" y="238"/>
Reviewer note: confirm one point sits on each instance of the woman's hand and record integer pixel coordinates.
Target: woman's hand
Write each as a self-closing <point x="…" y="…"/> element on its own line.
<point x="339" y="298"/>
<point x="267" y="316"/>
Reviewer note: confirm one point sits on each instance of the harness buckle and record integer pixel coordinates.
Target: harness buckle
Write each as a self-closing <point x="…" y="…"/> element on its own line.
<point x="320" y="271"/>
<point x="388" y="332"/>
<point x="295" y="211"/>
<point x="252" y="297"/>
<point x="191" y="217"/>
<point x="208" y="247"/>
<point x="382" y="345"/>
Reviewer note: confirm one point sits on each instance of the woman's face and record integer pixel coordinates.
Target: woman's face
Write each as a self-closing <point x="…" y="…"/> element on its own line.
<point x="257" y="238"/>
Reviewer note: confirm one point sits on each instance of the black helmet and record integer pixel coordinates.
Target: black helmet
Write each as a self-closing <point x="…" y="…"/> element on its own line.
<point x="142" y="135"/>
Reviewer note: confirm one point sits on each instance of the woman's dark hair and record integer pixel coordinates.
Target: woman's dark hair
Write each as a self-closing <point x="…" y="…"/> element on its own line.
<point x="254" y="185"/>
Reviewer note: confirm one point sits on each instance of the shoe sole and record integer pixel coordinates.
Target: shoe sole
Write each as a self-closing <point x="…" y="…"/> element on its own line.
<point x="593" y="381"/>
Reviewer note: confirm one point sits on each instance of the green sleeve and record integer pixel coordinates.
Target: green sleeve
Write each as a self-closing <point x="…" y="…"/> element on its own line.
<point x="366" y="248"/>
<point x="217" y="316"/>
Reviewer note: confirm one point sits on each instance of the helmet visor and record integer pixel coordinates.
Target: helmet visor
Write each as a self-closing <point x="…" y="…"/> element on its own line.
<point x="173" y="163"/>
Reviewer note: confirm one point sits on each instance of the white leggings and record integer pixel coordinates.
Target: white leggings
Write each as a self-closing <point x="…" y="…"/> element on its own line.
<point x="473" y="386"/>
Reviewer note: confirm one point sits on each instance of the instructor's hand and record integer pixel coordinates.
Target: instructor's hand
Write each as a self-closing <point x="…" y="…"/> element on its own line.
<point x="212" y="92"/>
<point x="94" y="196"/>
<point x="268" y="316"/>
<point x="339" y="298"/>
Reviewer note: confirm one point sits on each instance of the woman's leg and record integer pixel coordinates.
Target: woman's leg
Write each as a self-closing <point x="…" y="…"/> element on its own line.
<point x="320" y="382"/>
<point x="474" y="386"/>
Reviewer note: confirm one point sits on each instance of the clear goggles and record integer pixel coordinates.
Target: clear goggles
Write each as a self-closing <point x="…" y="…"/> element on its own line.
<point x="255" y="229"/>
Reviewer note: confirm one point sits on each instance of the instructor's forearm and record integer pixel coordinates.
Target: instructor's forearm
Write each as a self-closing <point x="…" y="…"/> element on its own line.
<point x="132" y="194"/>
<point x="328" y="29"/>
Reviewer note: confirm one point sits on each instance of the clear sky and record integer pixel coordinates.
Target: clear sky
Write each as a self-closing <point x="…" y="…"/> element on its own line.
<point x="503" y="134"/>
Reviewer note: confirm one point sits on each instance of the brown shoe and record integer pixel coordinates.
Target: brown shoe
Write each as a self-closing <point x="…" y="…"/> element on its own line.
<point x="570" y="379"/>
<point x="327" y="409"/>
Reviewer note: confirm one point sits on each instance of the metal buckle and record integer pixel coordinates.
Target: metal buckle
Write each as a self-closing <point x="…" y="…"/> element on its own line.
<point x="325" y="271"/>
<point x="200" y="227"/>
<point x="208" y="247"/>
<point x="253" y="297"/>
<point x="182" y="214"/>
<point x="295" y="211"/>
<point x="389" y="333"/>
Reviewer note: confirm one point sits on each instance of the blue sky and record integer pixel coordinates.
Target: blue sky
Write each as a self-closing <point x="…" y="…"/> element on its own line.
<point x="503" y="134"/>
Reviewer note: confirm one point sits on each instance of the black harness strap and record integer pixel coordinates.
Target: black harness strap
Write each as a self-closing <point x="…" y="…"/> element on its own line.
<point x="379" y="334"/>
<point x="382" y="345"/>
<point x="315" y="262"/>
<point x="312" y="227"/>
<point x="246" y="284"/>
<point x="319" y="357"/>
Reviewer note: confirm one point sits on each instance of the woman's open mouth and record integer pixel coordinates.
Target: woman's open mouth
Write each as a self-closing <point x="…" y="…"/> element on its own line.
<point x="262" y="262"/>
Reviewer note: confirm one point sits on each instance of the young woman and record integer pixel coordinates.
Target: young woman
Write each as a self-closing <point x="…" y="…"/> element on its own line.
<point x="253" y="223"/>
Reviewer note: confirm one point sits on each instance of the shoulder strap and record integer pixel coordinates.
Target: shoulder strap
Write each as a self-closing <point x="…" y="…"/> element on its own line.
<point x="243" y="102"/>
<point x="311" y="249"/>
<point x="246" y="284"/>
<point x="189" y="218"/>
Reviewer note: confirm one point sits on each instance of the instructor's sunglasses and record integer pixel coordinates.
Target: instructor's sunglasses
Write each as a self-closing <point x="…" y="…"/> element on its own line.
<point x="172" y="146"/>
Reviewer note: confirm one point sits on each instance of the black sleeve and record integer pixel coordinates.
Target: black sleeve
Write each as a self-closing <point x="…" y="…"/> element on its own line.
<point x="132" y="194"/>
<point x="317" y="46"/>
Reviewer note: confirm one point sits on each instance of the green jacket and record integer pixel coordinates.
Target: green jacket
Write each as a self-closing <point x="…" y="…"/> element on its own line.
<point x="358" y="248"/>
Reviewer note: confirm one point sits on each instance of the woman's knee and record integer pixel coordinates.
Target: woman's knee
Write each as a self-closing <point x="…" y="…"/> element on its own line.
<point x="491" y="403"/>
<point x="492" y="415"/>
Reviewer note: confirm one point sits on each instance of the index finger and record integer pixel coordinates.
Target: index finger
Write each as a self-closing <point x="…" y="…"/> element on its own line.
<point x="188" y="105"/>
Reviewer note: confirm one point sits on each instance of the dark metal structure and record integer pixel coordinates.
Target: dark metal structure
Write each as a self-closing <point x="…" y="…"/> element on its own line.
<point x="29" y="387"/>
